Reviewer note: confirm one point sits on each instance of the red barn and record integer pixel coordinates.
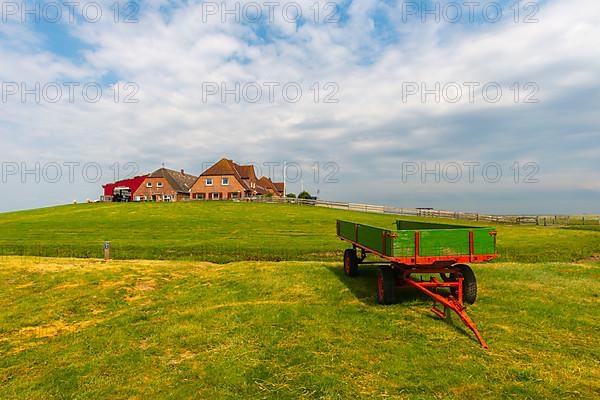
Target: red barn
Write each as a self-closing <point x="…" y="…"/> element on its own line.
<point x="122" y="190"/>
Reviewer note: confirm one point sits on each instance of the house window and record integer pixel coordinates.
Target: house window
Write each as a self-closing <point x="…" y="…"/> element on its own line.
<point x="167" y="198"/>
<point x="224" y="181"/>
<point x="208" y="181"/>
<point x="159" y="184"/>
<point x="235" y="195"/>
<point x="148" y="184"/>
<point x="215" y="196"/>
<point x="200" y="196"/>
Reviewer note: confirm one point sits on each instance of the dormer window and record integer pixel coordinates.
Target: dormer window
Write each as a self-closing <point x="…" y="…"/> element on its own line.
<point x="209" y="182"/>
<point x="148" y="184"/>
<point x="224" y="181"/>
<point x="159" y="184"/>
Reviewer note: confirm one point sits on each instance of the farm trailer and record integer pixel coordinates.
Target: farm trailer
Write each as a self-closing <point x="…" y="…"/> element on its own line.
<point x="422" y="248"/>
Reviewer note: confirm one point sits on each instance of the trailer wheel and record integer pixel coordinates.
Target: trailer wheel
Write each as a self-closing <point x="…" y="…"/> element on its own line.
<point x="386" y="285"/>
<point x="469" y="283"/>
<point x="350" y="262"/>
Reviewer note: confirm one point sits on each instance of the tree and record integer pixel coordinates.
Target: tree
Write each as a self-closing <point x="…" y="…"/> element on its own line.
<point x="304" y="195"/>
<point x="291" y="195"/>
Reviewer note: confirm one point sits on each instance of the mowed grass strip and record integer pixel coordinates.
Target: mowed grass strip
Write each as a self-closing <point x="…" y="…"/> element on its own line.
<point x="227" y="231"/>
<point x="163" y="329"/>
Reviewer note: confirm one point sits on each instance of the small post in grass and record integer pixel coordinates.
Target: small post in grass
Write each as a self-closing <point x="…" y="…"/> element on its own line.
<point x="106" y="251"/>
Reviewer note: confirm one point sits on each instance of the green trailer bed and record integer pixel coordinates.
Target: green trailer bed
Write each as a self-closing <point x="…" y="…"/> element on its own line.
<point x="422" y="243"/>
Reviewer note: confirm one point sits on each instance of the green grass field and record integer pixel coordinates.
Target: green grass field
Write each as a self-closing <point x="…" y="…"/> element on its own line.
<point x="225" y="231"/>
<point x="250" y="327"/>
<point x="166" y="329"/>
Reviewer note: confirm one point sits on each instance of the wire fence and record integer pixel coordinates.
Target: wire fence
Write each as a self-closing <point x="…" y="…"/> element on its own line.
<point x="275" y="252"/>
<point x="543" y="220"/>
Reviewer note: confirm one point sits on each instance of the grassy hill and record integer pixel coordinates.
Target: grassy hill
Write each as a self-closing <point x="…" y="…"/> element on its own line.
<point x="161" y="329"/>
<point x="227" y="231"/>
<point x="76" y="328"/>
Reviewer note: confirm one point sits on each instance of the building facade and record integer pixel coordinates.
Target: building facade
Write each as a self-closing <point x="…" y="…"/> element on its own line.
<point x="228" y="180"/>
<point x="224" y="180"/>
<point x="165" y="185"/>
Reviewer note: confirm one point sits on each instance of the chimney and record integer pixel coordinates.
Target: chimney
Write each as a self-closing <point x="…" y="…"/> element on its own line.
<point x="182" y="172"/>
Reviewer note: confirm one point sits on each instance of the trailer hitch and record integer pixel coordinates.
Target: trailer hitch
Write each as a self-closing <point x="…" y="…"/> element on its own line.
<point x="448" y="303"/>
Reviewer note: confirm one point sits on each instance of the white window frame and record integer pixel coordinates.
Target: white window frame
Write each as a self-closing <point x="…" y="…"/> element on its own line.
<point x="215" y="196"/>
<point x="209" y="181"/>
<point x="159" y="184"/>
<point x="223" y="180"/>
<point x="148" y="184"/>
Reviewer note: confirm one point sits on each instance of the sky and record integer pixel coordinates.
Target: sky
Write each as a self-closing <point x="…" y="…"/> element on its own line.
<point x="483" y="106"/>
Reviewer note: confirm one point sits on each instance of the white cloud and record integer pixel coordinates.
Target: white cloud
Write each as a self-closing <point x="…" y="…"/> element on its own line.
<point x="170" y="58"/>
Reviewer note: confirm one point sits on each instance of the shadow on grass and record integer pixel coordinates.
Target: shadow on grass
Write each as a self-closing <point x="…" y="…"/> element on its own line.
<point x="364" y="287"/>
<point x="453" y="321"/>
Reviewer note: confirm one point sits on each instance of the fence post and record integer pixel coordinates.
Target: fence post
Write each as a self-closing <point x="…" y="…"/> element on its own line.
<point x="106" y="251"/>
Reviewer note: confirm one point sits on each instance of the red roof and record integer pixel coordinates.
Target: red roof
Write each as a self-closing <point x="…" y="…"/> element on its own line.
<point x="132" y="184"/>
<point x="268" y="185"/>
<point x="221" y="167"/>
<point x="279" y="186"/>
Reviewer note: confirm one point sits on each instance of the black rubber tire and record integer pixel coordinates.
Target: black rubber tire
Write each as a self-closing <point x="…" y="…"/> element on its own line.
<point x="386" y="285"/>
<point x="350" y="262"/>
<point x="469" y="283"/>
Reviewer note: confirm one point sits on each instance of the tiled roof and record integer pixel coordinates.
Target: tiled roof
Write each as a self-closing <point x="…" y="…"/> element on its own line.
<point x="267" y="184"/>
<point x="179" y="180"/>
<point x="246" y="171"/>
<point x="221" y="167"/>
